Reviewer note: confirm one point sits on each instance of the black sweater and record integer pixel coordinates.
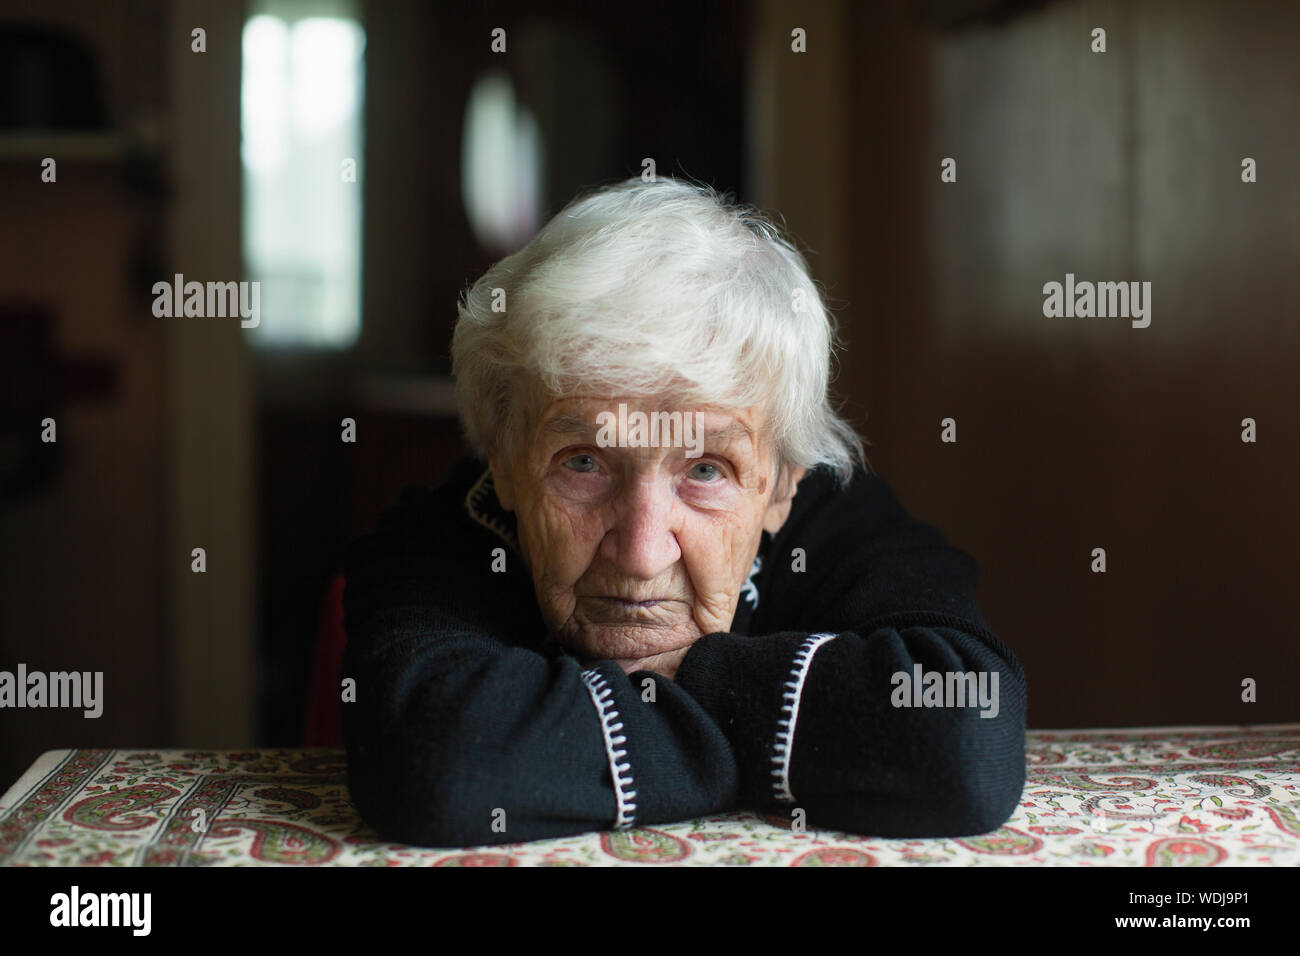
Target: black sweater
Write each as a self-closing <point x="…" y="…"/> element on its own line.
<point x="467" y="730"/>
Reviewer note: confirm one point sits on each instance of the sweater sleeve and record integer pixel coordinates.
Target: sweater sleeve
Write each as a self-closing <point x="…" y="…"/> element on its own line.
<point x="466" y="731"/>
<point x="820" y="704"/>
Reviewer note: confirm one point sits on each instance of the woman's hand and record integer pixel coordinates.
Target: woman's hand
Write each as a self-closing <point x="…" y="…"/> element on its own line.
<point x="664" y="664"/>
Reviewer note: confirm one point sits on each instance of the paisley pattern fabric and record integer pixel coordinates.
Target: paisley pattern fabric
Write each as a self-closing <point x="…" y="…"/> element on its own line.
<point x="1162" y="797"/>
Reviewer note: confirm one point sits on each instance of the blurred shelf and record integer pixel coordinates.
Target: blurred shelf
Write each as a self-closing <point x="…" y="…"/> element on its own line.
<point x="110" y="146"/>
<point x="433" y="396"/>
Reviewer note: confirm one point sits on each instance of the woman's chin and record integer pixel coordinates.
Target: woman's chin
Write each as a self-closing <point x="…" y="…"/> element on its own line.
<point x="606" y="642"/>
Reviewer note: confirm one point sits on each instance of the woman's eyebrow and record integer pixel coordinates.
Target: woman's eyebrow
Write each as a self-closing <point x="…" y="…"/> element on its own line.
<point x="728" y="433"/>
<point x="568" y="425"/>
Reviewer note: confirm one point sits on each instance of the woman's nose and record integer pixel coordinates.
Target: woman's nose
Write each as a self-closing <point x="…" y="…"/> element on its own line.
<point x="642" y="541"/>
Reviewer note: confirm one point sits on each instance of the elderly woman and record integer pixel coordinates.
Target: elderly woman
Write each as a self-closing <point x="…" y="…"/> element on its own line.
<point x="666" y="586"/>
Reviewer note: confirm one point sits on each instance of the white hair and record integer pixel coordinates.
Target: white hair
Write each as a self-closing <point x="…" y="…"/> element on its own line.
<point x="655" y="288"/>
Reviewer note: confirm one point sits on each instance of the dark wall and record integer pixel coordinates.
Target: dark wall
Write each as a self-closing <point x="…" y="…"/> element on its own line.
<point x="83" y="549"/>
<point x="1075" y="434"/>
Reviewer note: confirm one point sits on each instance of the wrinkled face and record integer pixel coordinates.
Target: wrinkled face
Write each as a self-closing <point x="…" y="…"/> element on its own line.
<point x="634" y="549"/>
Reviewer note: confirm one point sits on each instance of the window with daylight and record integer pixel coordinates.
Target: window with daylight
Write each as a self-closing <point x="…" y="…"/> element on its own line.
<point x="302" y="121"/>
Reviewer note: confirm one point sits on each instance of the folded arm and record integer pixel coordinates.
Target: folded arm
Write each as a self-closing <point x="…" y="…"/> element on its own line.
<point x="815" y="707"/>
<point x="462" y="734"/>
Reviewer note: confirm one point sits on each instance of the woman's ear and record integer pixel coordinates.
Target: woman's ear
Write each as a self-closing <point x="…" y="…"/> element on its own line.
<point x="778" y="509"/>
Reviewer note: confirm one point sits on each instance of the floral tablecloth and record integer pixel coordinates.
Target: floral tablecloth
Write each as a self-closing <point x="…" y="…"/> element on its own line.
<point x="1146" y="797"/>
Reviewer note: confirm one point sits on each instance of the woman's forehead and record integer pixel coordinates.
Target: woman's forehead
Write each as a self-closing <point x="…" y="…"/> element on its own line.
<point x="575" y="414"/>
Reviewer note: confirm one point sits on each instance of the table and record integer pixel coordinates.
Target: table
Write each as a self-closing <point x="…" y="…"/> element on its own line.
<point x="1180" y="796"/>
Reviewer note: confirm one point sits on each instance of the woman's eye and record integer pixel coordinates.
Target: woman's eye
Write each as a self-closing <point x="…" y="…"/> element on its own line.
<point x="704" y="471"/>
<point x="581" y="463"/>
